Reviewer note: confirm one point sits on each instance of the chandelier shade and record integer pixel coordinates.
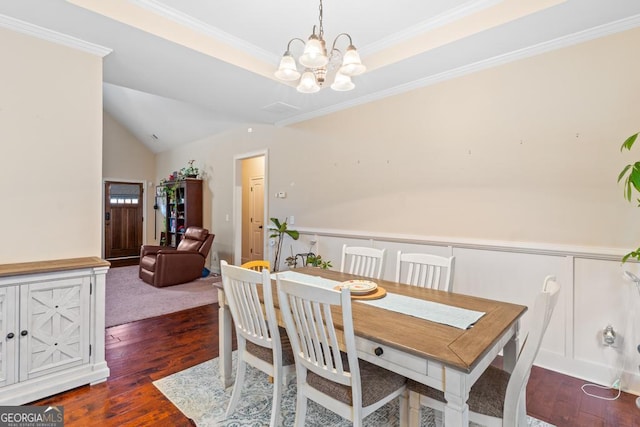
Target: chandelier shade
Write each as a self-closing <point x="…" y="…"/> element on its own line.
<point x="342" y="82"/>
<point x="351" y="64"/>
<point x="287" y="70"/>
<point x="315" y="54"/>
<point x="316" y="64"/>
<point x="308" y="83"/>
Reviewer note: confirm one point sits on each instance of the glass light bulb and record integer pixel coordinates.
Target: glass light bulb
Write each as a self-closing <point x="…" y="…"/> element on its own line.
<point x="308" y="83"/>
<point x="314" y="55"/>
<point x="342" y="82"/>
<point x="351" y="64"/>
<point x="287" y="70"/>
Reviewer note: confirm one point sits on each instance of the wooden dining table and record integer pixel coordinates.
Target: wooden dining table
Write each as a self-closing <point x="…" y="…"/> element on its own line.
<point x="444" y="357"/>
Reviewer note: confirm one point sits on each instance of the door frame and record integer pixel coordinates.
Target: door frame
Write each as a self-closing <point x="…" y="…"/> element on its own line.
<point x="237" y="202"/>
<point x="145" y="187"/>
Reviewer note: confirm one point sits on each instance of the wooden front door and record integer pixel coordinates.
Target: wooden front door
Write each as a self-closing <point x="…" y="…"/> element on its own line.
<point x="123" y="219"/>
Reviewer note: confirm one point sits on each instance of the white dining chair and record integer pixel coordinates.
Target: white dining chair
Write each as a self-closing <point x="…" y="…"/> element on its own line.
<point x="363" y="261"/>
<point x="261" y="343"/>
<point x="497" y="399"/>
<point x="425" y="270"/>
<point x="337" y="380"/>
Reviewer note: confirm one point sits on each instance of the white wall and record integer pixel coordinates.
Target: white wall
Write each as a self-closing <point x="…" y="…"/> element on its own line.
<point x="51" y="150"/>
<point x="513" y="169"/>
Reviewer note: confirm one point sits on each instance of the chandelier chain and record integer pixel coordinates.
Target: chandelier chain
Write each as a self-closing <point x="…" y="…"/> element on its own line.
<point x="321" y="29"/>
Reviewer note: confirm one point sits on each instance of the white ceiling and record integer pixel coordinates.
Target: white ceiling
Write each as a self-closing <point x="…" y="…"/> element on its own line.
<point x="185" y="69"/>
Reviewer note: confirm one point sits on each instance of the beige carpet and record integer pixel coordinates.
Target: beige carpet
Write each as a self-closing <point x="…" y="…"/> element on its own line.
<point x="130" y="299"/>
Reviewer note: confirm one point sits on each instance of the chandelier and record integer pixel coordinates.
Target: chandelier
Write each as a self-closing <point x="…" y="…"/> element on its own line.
<point x="316" y="63"/>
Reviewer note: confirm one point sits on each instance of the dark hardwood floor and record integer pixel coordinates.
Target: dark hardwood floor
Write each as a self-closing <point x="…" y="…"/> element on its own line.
<point x="141" y="352"/>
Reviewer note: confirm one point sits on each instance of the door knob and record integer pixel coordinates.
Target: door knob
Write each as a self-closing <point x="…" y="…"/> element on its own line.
<point x="10" y="335"/>
<point x="24" y="333"/>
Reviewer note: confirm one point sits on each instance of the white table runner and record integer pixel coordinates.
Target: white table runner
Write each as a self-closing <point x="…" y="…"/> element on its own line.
<point x="435" y="312"/>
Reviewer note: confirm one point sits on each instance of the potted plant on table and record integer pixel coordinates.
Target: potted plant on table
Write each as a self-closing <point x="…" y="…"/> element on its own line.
<point x="308" y="259"/>
<point x="317" y="261"/>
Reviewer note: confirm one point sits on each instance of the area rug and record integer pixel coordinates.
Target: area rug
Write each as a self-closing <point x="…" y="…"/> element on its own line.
<point x="128" y="298"/>
<point x="198" y="393"/>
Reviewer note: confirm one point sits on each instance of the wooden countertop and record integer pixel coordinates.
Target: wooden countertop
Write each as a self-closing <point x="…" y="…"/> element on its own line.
<point x="51" y="265"/>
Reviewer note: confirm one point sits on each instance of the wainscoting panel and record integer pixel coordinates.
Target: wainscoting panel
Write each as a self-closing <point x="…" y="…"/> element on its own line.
<point x="594" y="293"/>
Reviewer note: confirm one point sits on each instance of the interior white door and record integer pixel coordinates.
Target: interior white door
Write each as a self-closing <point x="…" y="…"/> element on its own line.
<point x="256" y="209"/>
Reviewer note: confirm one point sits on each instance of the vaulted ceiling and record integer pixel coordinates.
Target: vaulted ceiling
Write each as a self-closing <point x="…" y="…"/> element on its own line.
<point x="185" y="69"/>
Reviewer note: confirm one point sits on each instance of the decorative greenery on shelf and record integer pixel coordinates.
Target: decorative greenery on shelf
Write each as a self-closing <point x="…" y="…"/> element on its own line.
<point x="278" y="231"/>
<point x="168" y="188"/>
<point x="169" y="185"/>
<point x="189" y="171"/>
<point x="631" y="176"/>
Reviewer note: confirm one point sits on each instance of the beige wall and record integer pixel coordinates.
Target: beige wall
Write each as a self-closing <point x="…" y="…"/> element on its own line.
<point x="50" y="156"/>
<point x="527" y="151"/>
<point x="170" y="161"/>
<point x="125" y="158"/>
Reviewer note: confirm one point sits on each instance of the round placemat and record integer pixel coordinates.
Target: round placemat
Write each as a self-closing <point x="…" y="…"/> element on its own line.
<point x="377" y="294"/>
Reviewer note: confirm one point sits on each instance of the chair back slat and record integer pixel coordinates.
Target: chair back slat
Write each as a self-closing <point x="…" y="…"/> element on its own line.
<point x="248" y="294"/>
<point x="425" y="270"/>
<point x="252" y="320"/>
<point x="363" y="261"/>
<point x="307" y="313"/>
<point x="541" y="316"/>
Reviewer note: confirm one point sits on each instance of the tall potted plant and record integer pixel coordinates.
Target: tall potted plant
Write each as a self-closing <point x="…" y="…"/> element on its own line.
<point x="278" y="231"/>
<point x="631" y="176"/>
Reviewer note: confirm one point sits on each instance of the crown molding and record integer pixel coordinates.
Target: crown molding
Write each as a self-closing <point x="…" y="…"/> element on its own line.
<point x="189" y="21"/>
<point x="53" y="36"/>
<point x="559" y="43"/>
<point x="430" y="24"/>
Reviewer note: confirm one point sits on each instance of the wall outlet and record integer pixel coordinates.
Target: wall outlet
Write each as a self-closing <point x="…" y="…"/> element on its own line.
<point x="608" y="336"/>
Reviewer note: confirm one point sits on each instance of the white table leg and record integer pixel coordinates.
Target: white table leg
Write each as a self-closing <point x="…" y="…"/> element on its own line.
<point x="510" y="350"/>
<point x="224" y="325"/>
<point x="456" y="411"/>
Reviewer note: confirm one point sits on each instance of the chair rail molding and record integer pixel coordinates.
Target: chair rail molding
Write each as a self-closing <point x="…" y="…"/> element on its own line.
<point x="594" y="292"/>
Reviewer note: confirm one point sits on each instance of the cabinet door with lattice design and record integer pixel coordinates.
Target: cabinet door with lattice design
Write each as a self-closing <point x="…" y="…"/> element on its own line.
<point x="8" y="335"/>
<point x="54" y="323"/>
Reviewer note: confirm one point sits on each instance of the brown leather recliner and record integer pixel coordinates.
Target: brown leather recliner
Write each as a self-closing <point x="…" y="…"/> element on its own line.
<point x="162" y="266"/>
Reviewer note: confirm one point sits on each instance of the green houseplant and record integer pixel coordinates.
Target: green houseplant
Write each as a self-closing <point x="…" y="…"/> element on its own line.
<point x="278" y="231"/>
<point x="189" y="171"/>
<point x="308" y="259"/>
<point x="317" y="261"/>
<point x="631" y="176"/>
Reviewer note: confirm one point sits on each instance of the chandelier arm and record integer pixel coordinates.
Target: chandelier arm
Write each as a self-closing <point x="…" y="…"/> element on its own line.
<point x="292" y="40"/>
<point x="333" y="47"/>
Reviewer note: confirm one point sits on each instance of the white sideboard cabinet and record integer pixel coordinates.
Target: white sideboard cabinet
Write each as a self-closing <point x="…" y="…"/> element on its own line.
<point x="52" y="330"/>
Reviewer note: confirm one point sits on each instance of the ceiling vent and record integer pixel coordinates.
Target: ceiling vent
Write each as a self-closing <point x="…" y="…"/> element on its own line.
<point x="280" y="108"/>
